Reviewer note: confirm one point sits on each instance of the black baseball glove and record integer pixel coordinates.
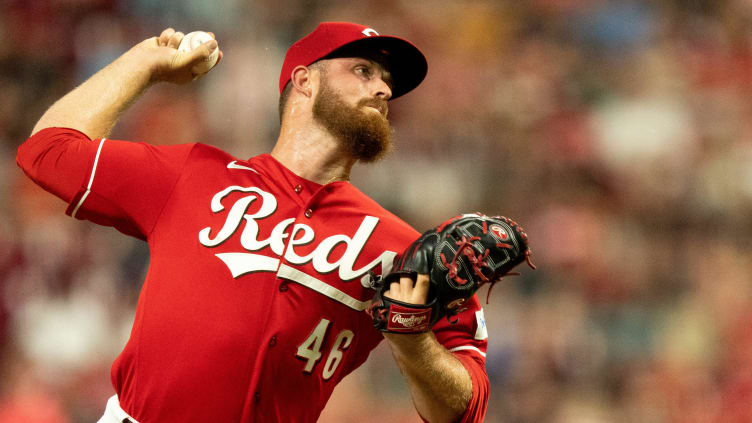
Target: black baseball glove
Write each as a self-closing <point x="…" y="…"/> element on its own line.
<point x="460" y="256"/>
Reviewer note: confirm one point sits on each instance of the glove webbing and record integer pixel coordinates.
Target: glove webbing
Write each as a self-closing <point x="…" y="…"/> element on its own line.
<point x="478" y="261"/>
<point x="466" y="248"/>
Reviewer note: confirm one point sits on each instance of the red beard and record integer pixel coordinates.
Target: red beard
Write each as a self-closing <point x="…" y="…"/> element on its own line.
<point x="366" y="136"/>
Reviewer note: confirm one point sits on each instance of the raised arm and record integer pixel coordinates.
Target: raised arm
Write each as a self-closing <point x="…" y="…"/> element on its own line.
<point x="95" y="106"/>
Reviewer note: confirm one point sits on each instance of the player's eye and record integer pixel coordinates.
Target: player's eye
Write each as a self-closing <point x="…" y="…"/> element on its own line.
<point x="364" y="71"/>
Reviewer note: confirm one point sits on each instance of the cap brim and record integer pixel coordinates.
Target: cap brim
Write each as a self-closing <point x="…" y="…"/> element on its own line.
<point x="406" y="63"/>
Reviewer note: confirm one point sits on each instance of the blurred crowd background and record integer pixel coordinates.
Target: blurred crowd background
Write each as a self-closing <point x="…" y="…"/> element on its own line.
<point x="619" y="133"/>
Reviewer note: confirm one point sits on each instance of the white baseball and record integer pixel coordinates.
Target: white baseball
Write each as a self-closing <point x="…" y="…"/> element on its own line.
<point x="190" y="42"/>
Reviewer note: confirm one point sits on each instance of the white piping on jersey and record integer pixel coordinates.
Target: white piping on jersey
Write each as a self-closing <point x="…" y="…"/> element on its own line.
<point x="91" y="179"/>
<point x="321" y="287"/>
<point x="234" y="165"/>
<point x="468" y="347"/>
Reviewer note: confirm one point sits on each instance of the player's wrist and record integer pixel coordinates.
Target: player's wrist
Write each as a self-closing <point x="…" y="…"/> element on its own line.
<point x="411" y="343"/>
<point x="140" y="64"/>
<point x="155" y="60"/>
<point x="149" y="63"/>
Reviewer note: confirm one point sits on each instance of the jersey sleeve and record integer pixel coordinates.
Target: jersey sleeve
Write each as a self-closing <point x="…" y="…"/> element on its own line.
<point x="114" y="183"/>
<point x="467" y="339"/>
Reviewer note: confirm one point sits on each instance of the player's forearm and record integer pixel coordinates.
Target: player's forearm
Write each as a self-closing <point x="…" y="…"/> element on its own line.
<point x="94" y="106"/>
<point x="439" y="384"/>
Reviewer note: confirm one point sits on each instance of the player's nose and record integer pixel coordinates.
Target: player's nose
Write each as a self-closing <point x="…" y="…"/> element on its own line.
<point x="382" y="89"/>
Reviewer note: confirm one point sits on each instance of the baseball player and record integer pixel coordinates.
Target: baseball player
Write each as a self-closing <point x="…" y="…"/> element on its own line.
<point x="254" y="306"/>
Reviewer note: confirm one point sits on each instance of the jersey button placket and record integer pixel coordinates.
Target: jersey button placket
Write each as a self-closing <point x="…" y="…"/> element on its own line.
<point x="308" y="213"/>
<point x="298" y="188"/>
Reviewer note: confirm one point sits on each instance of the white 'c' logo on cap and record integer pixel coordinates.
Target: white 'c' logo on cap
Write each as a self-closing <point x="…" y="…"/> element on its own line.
<point x="368" y="32"/>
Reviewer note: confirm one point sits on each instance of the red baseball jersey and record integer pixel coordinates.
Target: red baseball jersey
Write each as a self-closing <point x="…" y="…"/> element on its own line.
<point x="253" y="305"/>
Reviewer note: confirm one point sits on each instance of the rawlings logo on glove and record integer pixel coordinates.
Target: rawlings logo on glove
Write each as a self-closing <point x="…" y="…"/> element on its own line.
<point x="460" y="255"/>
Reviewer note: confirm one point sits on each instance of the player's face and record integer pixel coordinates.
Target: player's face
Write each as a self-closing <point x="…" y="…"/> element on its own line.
<point x="352" y="104"/>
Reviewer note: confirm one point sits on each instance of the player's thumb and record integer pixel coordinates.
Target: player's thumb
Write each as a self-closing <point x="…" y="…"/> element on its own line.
<point x="191" y="58"/>
<point x="206" y="49"/>
<point x="202" y="52"/>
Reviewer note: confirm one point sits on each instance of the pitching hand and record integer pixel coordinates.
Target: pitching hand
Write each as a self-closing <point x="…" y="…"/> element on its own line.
<point x="167" y="63"/>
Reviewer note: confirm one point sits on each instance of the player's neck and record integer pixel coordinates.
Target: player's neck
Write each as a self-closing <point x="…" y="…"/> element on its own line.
<point x="312" y="153"/>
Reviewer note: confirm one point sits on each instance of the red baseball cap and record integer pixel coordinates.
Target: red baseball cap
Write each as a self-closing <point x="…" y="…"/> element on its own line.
<point x="407" y="64"/>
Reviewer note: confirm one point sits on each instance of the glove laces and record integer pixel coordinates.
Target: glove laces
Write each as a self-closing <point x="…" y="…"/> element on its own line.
<point x="479" y="261"/>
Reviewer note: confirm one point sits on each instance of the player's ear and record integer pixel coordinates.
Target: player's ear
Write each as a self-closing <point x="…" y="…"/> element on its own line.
<point x="301" y="80"/>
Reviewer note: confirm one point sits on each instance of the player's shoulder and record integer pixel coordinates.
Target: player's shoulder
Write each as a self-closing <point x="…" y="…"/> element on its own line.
<point x="203" y="151"/>
<point x="204" y="157"/>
